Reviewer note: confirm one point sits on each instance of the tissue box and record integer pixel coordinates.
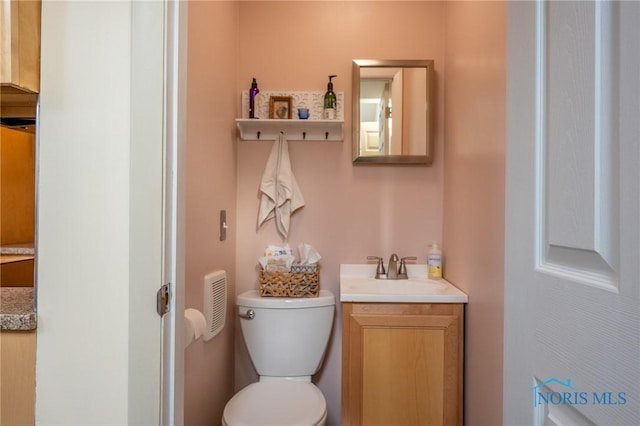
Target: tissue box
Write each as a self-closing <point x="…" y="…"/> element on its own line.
<point x="300" y="283"/>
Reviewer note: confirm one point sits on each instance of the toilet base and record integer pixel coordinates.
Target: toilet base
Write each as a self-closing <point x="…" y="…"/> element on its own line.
<point x="277" y="403"/>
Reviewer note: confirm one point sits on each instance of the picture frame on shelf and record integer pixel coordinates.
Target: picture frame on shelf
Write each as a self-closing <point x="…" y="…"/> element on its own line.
<point x="280" y="107"/>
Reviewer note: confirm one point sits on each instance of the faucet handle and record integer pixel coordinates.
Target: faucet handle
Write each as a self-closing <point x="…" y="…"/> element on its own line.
<point x="380" y="272"/>
<point x="402" y="272"/>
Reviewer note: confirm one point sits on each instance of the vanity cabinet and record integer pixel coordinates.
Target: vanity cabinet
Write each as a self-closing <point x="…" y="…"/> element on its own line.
<point x="20" y="41"/>
<point x="402" y="363"/>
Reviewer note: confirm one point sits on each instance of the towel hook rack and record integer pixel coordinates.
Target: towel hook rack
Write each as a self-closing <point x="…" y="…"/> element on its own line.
<point x="296" y="130"/>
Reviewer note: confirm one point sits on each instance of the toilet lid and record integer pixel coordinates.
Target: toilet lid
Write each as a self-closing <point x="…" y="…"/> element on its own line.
<point x="279" y="403"/>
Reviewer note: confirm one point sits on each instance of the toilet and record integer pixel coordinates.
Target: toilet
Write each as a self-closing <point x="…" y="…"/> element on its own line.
<point x="286" y="339"/>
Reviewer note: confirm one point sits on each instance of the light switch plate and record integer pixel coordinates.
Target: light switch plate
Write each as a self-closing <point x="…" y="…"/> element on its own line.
<point x="223" y="225"/>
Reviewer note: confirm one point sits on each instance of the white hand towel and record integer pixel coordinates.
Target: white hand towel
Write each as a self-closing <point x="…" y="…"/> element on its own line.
<point x="280" y="194"/>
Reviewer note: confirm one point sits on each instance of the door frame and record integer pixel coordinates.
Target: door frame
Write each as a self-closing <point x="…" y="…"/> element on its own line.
<point x="175" y="42"/>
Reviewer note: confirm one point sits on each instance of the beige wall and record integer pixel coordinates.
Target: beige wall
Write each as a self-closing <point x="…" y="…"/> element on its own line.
<point x="351" y="211"/>
<point x="210" y="187"/>
<point x="473" y="226"/>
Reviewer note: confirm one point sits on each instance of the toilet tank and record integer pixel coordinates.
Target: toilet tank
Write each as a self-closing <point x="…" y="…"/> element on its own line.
<point x="287" y="337"/>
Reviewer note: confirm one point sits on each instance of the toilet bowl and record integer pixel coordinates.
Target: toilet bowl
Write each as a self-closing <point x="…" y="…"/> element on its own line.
<point x="286" y="339"/>
<point x="277" y="403"/>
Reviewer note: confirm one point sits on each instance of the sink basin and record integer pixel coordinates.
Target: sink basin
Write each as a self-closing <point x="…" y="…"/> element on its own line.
<point x="357" y="284"/>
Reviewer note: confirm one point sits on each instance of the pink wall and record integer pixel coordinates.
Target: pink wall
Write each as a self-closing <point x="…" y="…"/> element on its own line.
<point x="210" y="187"/>
<point x="351" y="211"/>
<point x="473" y="226"/>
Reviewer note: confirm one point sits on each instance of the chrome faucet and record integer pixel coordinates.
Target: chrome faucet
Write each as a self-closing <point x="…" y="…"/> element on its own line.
<point x="394" y="271"/>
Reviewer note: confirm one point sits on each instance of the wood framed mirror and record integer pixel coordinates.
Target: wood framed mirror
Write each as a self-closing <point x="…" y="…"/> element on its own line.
<point x="392" y="111"/>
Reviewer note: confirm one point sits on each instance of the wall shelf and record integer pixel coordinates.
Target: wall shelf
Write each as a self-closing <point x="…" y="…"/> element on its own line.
<point x="293" y="130"/>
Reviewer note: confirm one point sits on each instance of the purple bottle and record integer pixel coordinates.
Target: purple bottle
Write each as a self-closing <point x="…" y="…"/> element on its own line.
<point x="252" y="98"/>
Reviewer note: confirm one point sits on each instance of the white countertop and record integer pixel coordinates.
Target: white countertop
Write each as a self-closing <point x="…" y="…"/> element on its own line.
<point x="358" y="284"/>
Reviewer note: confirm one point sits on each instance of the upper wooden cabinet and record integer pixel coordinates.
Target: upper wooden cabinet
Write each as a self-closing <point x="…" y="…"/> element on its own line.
<point x="19" y="46"/>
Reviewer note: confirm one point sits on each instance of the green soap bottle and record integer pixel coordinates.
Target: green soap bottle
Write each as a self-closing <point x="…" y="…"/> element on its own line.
<point x="330" y="101"/>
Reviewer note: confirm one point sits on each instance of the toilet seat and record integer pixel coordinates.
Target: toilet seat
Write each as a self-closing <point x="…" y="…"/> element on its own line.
<point x="276" y="403"/>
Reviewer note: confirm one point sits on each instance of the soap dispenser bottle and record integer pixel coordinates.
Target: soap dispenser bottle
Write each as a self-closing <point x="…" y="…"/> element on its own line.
<point x="330" y="101"/>
<point x="434" y="262"/>
<point x="252" y="98"/>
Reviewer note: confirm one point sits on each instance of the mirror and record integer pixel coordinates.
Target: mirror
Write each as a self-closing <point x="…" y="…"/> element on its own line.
<point x="392" y="111"/>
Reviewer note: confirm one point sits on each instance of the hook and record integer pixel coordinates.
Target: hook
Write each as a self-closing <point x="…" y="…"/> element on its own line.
<point x="326" y="135"/>
<point x="258" y="134"/>
<point x="304" y="135"/>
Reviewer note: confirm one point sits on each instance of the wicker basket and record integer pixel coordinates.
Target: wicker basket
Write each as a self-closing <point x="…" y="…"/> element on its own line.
<point x="305" y="283"/>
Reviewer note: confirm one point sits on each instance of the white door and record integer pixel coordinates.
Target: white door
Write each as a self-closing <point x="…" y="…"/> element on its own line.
<point x="572" y="305"/>
<point x="173" y="248"/>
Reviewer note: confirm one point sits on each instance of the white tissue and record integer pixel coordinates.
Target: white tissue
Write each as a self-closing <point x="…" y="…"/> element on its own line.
<point x="195" y="325"/>
<point x="280" y="259"/>
<point x="308" y="255"/>
<point x="280" y="263"/>
<point x="277" y="251"/>
<point x="277" y="259"/>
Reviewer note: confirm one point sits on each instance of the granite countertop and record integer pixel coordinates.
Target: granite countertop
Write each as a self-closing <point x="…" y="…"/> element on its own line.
<point x="16" y="252"/>
<point x="17" y="310"/>
<point x="22" y="248"/>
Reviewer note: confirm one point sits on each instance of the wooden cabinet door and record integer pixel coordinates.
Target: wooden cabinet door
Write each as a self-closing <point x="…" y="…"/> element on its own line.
<point x="20" y="46"/>
<point x="402" y="364"/>
<point x="18" y="371"/>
